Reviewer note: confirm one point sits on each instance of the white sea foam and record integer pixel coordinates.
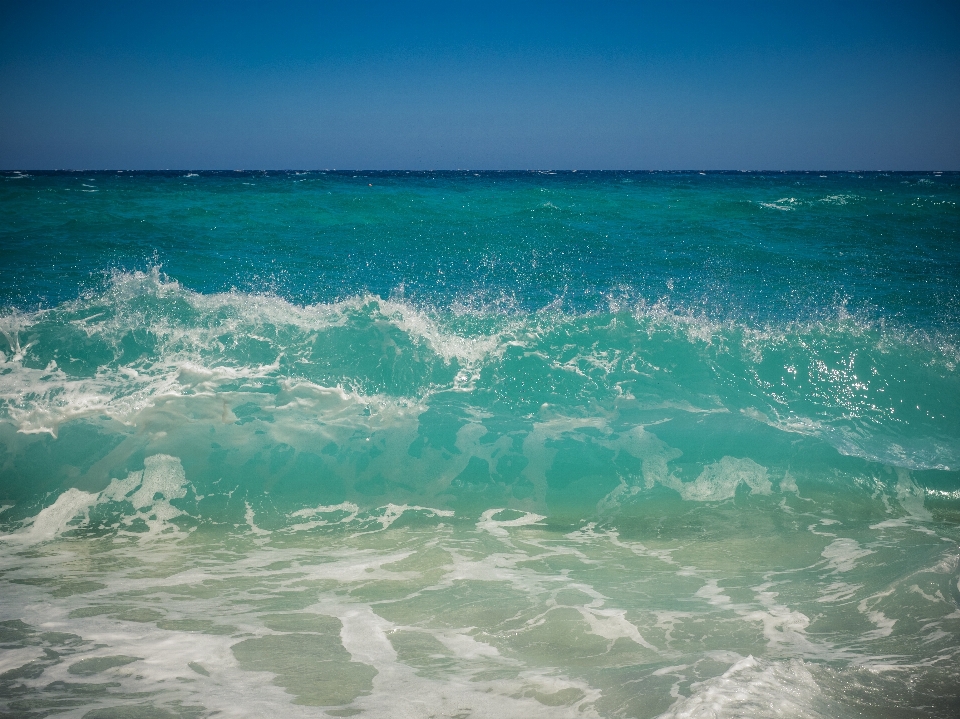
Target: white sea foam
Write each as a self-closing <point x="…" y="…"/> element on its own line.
<point x="150" y="492"/>
<point x="783" y="627"/>
<point x="842" y="554"/>
<point x="838" y="592"/>
<point x="498" y="527"/>
<point x="348" y="512"/>
<point x="392" y="512"/>
<point x="720" y="480"/>
<point x="612" y="624"/>
<point x="341" y="514"/>
<point x="754" y="688"/>
<point x="868" y="608"/>
<point x="784" y="203"/>
<point x="250" y="517"/>
<point x="190" y="355"/>
<point x="839" y="199"/>
<point x="52" y="521"/>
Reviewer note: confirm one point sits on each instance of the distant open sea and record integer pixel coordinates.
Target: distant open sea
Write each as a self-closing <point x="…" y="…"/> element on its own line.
<point x="479" y="444"/>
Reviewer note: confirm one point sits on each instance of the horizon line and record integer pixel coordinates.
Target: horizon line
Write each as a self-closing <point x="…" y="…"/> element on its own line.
<point x="453" y="170"/>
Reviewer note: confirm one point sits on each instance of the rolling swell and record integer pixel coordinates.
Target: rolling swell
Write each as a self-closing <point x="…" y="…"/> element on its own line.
<point x="246" y="405"/>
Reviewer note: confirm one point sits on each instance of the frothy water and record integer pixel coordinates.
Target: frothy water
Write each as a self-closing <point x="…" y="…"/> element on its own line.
<point x="518" y="500"/>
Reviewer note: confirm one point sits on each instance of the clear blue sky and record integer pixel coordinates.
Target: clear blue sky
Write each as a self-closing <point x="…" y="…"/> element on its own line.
<point x="480" y="85"/>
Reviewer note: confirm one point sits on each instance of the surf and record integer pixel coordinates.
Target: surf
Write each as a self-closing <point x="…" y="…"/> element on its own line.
<point x="634" y="490"/>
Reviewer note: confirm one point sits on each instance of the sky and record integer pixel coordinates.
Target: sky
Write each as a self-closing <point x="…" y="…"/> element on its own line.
<point x="480" y="85"/>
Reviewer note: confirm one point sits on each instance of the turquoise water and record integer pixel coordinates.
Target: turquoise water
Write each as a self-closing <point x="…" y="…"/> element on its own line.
<point x="479" y="444"/>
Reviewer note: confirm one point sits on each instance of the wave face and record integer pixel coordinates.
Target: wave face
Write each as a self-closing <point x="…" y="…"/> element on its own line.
<point x="511" y="444"/>
<point x="369" y="400"/>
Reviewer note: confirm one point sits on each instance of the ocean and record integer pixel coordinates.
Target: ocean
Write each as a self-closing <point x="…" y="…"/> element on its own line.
<point x="479" y="444"/>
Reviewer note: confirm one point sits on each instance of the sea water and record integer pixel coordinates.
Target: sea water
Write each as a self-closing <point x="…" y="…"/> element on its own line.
<point x="473" y="444"/>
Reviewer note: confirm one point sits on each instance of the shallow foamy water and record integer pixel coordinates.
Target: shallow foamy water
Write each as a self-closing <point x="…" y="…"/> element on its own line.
<point x="767" y="606"/>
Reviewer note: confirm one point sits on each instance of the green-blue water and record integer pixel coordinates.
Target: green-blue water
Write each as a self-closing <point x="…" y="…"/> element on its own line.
<point x="479" y="444"/>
